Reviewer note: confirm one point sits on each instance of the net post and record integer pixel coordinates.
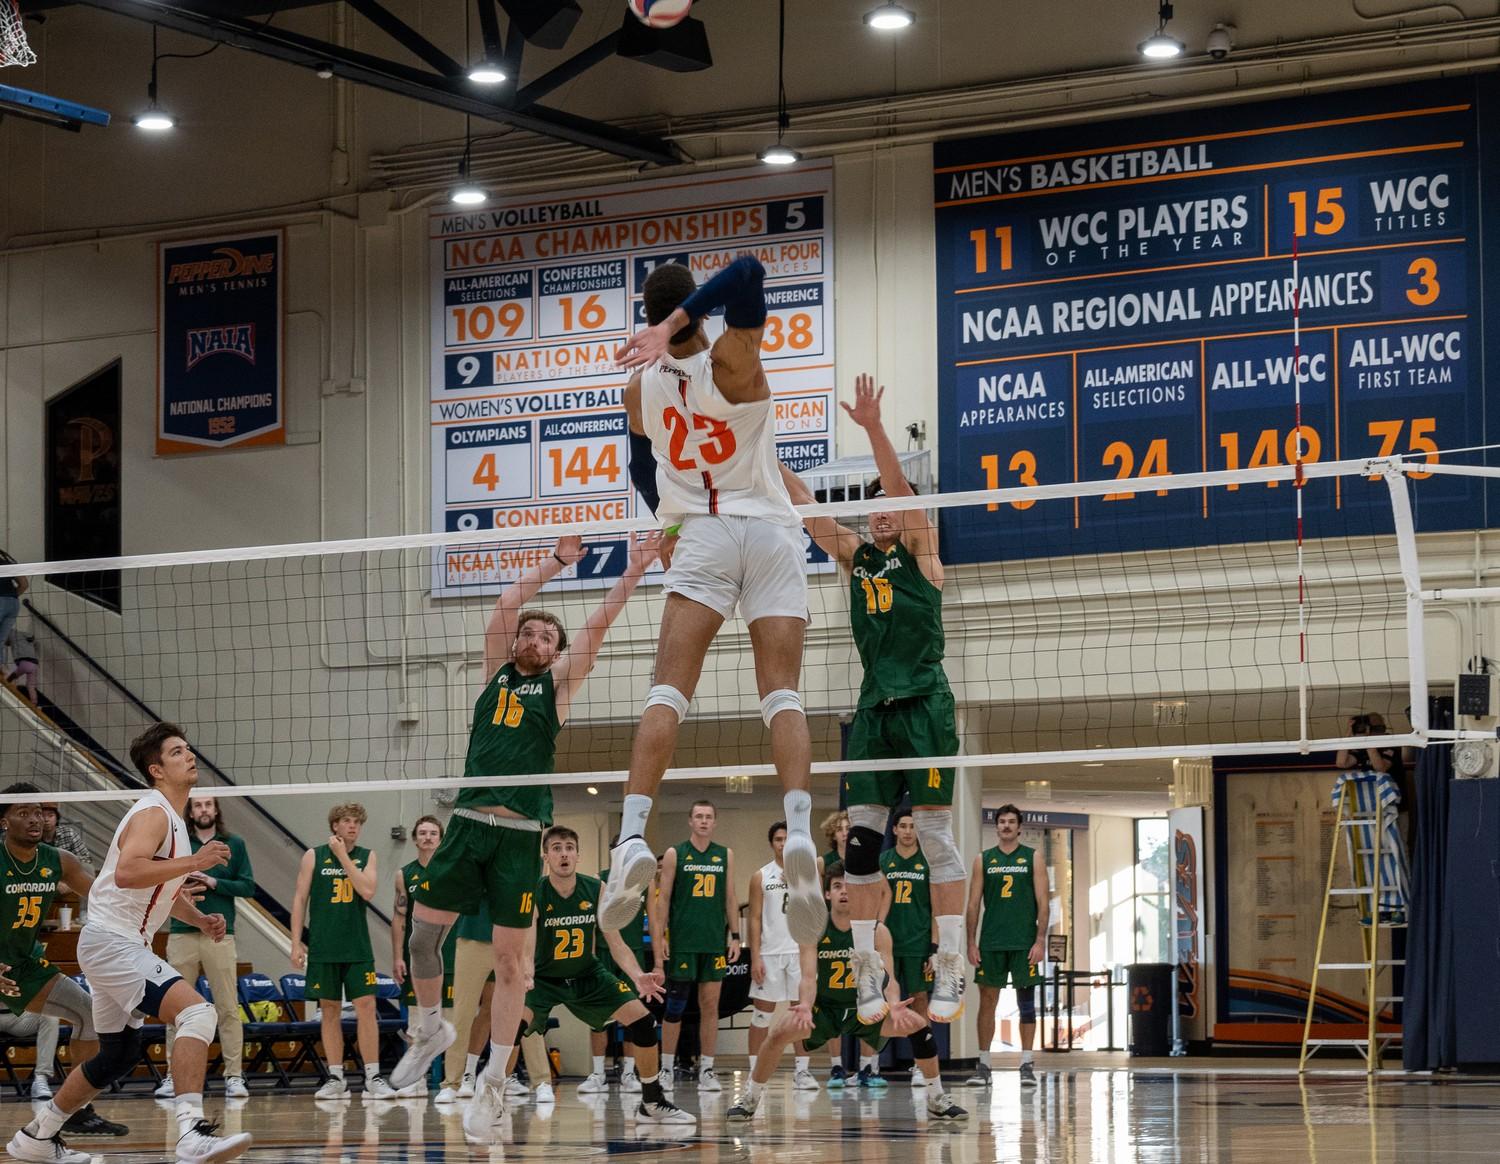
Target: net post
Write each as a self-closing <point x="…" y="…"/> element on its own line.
<point x="1411" y="577"/>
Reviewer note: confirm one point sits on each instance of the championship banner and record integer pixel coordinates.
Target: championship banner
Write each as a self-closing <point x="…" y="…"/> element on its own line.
<point x="220" y="367"/>
<point x="530" y="301"/>
<point x="1117" y="301"/>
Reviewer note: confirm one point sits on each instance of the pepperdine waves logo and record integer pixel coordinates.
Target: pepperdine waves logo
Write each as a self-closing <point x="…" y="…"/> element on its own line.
<point x="234" y="339"/>
<point x="230" y="264"/>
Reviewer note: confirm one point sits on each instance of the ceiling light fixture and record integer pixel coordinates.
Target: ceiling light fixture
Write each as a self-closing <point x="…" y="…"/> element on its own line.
<point x="890" y="18"/>
<point x="154" y="119"/>
<point x="487" y="72"/>
<point x="780" y="154"/>
<point x="1160" y="46"/>
<point x="466" y="192"/>
<point x="593" y="791"/>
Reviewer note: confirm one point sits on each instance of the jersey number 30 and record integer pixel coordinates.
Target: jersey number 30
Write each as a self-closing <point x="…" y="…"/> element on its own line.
<point x="716" y="448"/>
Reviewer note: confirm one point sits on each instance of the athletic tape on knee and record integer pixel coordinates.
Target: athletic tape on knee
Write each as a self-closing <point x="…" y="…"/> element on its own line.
<point x="70" y="1002"/>
<point x="426" y="948"/>
<point x="665" y="695"/>
<point x="923" y="1045"/>
<point x="935" y="835"/>
<point x="642" y="1032"/>
<point x="679" y="994"/>
<point x="782" y="699"/>
<point x="761" y="1018"/>
<point x="1026" y="1004"/>
<point x="199" y="1021"/>
<point x="119" y="1052"/>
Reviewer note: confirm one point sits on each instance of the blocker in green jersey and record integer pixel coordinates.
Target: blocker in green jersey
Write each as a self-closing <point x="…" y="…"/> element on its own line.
<point x="696" y="935"/>
<point x="489" y="857"/>
<point x="1009" y="900"/>
<point x="905" y="709"/>
<point x="827" y="1009"/>
<point x="571" y="971"/>
<point x="909" y="915"/>
<point x="426" y="835"/>
<point x="334" y="886"/>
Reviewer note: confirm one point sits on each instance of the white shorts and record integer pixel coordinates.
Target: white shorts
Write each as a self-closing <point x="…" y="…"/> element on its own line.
<point x="123" y="973"/>
<point x="783" y="976"/>
<point x="724" y="560"/>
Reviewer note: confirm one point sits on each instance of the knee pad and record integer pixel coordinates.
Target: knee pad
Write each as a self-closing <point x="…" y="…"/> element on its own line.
<point x="782" y="699"/>
<point x="866" y="838"/>
<point x="426" y="948"/>
<point x="1026" y="1004"/>
<point x="70" y="1002"/>
<point x="665" y="695"/>
<point x="679" y="994"/>
<point x="761" y="1018"/>
<point x="198" y="1021"/>
<point x="119" y="1052"/>
<point x="935" y="835"/>
<point x="642" y="1032"/>
<point x="923" y="1045"/>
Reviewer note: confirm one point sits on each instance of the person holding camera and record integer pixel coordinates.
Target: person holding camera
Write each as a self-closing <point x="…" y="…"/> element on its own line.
<point x="1375" y="759"/>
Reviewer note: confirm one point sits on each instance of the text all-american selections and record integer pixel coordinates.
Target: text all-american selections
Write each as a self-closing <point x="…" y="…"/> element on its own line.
<point x="1118" y="302"/>
<point x="531" y="300"/>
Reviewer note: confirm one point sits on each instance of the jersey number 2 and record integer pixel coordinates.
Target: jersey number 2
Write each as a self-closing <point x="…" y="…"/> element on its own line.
<point x="716" y="448"/>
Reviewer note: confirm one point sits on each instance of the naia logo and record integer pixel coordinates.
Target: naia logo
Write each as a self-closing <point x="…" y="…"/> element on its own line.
<point x="235" y="339"/>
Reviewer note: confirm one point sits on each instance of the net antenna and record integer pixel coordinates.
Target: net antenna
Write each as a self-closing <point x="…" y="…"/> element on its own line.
<point x="14" y="48"/>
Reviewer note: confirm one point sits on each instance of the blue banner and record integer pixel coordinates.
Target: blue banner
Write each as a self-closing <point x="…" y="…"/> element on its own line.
<point x="219" y="329"/>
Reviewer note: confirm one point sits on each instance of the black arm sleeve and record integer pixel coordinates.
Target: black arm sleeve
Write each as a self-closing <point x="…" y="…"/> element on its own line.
<point x="643" y="470"/>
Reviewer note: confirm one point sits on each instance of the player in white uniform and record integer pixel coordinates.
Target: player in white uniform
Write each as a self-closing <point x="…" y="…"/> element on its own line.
<point x="138" y="887"/>
<point x="732" y="540"/>
<point x="776" y="968"/>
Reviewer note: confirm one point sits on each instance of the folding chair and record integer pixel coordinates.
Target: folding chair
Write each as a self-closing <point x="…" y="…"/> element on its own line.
<point x="266" y="1034"/>
<point x="308" y="1030"/>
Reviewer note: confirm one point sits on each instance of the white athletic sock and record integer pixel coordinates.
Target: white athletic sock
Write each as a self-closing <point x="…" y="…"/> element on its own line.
<point x="630" y="1068"/>
<point x="471" y="1064"/>
<point x="753" y="1089"/>
<point x="950" y="933"/>
<point x="428" y="1019"/>
<point x="752" y="1064"/>
<point x="598" y="1064"/>
<point x="634" y="815"/>
<point x="48" y="1122"/>
<point x="804" y="1063"/>
<point x="870" y="1061"/>
<point x="835" y="1059"/>
<point x="189" y="1111"/>
<point x="499" y="1056"/>
<point x="798" y="806"/>
<point x="984" y="1058"/>
<point x="864" y="935"/>
<point x="1025" y="1056"/>
<point x="705" y="1062"/>
<point x="667" y="1063"/>
<point x="372" y="1071"/>
<point x="336" y="1070"/>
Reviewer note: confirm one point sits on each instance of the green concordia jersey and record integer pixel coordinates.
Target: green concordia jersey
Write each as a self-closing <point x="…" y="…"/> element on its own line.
<point x="695" y="922"/>
<point x="568" y="928"/>
<point x="28" y="898"/>
<point x="411" y="877"/>
<point x="836" y="967"/>
<point x="336" y="913"/>
<point x="633" y="935"/>
<point x="514" y="734"/>
<point x="896" y="615"/>
<point x="910" y="916"/>
<point x="1009" y="899"/>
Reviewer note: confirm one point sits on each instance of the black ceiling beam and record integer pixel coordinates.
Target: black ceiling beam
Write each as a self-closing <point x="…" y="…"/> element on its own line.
<point x="406" y="36"/>
<point x="453" y="93"/>
<point x="489" y="30"/>
<point x="576" y="65"/>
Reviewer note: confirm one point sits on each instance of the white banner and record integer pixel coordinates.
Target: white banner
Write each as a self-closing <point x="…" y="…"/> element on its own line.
<point x="529" y="302"/>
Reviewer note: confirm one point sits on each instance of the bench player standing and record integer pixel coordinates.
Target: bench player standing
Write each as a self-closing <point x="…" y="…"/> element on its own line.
<point x="732" y="541"/>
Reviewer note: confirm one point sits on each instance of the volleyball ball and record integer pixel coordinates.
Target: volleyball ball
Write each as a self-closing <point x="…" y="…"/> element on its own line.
<point x="660" y="13"/>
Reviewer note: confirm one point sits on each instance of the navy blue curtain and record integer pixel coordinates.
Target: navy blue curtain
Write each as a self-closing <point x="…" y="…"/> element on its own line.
<point x="1430" y="1014"/>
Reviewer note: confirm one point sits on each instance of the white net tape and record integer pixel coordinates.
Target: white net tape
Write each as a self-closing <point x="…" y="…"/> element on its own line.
<point x="14" y="48"/>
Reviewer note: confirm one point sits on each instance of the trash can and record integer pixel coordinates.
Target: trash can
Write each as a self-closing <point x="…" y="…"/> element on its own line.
<point x="1150" y="985"/>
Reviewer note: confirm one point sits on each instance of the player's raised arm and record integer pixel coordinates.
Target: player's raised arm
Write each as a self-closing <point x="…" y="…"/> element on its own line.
<point x="837" y="541"/>
<point x="505" y="619"/>
<point x="569" y="672"/>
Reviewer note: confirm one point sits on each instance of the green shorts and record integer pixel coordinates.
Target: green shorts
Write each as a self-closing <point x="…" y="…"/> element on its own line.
<point x="834" y="1022"/>
<point x="334" y="981"/>
<point x="912" y="975"/>
<point x="996" y="967"/>
<point x="921" y="726"/>
<point x="593" y="998"/>
<point x="698" y="967"/>
<point x="409" y="996"/>
<point x="31" y="975"/>
<point x="484" y="865"/>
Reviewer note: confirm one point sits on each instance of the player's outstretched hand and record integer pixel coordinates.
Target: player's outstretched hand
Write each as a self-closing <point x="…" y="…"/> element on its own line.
<point x="213" y="853"/>
<point x="645" y="548"/>
<point x="570" y="549"/>
<point x="865" y="411"/>
<point x="800" y="1016"/>
<point x="903" y="1020"/>
<point x="648" y="986"/>
<point x="646" y="346"/>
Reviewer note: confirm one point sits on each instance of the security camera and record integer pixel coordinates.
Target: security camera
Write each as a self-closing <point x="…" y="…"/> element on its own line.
<point x="1220" y="41"/>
